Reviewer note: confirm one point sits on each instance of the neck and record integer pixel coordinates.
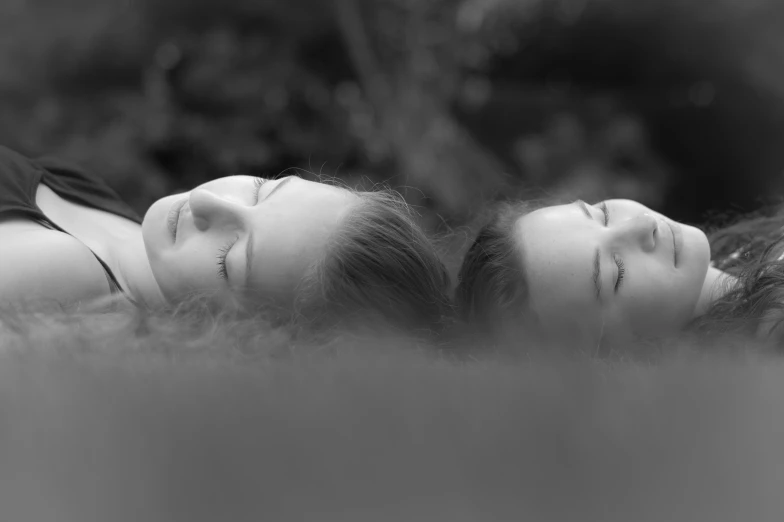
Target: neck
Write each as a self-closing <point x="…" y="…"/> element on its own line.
<point x="116" y="240"/>
<point x="716" y="285"/>
<point x="122" y="248"/>
<point x="129" y="262"/>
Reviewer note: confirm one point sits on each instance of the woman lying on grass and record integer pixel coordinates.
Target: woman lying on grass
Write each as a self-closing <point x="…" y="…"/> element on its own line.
<point x="617" y="271"/>
<point x="309" y="253"/>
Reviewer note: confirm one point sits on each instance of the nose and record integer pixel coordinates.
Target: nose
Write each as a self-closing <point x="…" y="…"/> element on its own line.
<point x="212" y="210"/>
<point x="641" y="230"/>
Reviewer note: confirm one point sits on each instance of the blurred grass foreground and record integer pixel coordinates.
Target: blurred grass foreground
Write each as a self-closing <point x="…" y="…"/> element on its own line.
<point x="219" y="423"/>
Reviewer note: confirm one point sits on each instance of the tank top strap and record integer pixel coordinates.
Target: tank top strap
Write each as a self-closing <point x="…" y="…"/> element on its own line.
<point x="114" y="285"/>
<point x="20" y="177"/>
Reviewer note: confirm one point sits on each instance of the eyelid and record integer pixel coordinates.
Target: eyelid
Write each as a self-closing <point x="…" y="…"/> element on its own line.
<point x="223" y="253"/>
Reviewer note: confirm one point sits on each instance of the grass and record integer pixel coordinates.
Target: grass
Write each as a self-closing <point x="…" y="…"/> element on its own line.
<point x="115" y="418"/>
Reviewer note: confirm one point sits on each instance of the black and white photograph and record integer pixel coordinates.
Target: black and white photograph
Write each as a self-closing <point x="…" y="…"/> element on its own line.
<point x="391" y="260"/>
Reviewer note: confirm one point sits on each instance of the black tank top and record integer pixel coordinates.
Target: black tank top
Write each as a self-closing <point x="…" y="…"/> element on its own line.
<point x="19" y="180"/>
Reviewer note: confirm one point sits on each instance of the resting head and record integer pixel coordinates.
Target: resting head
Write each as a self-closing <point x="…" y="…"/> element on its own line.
<point x="315" y="252"/>
<point x="610" y="272"/>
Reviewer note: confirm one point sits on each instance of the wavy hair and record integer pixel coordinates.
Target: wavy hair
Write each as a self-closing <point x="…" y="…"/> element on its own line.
<point x="492" y="292"/>
<point x="749" y="250"/>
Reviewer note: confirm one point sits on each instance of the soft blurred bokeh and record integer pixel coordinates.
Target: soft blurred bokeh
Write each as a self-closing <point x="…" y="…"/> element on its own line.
<point x="677" y="103"/>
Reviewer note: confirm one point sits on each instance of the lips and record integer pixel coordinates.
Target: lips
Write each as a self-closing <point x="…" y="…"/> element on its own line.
<point x="677" y="241"/>
<point x="174" y="216"/>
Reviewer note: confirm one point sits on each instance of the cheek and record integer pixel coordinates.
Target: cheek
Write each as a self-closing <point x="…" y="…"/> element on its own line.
<point x="167" y="275"/>
<point x="182" y="271"/>
<point x="659" y="306"/>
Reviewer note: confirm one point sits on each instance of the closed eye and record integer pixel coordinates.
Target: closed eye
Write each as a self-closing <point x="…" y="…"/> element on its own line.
<point x="223" y="253"/>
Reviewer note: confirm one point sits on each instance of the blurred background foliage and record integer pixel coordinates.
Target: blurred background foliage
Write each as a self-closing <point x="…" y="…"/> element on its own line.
<point x="676" y="103"/>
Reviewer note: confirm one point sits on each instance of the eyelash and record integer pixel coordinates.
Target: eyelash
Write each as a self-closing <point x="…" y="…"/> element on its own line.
<point x="618" y="261"/>
<point x="621" y="271"/>
<point x="224" y="251"/>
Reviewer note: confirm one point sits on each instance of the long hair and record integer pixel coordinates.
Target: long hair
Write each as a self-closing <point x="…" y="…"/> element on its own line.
<point x="492" y="293"/>
<point x="379" y="269"/>
<point x="379" y="272"/>
<point x="749" y="250"/>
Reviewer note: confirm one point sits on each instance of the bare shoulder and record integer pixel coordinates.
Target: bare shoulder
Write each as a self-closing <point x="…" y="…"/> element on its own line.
<point x="38" y="263"/>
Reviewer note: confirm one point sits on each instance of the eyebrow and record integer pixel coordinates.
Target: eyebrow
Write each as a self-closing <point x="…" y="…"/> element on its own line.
<point x="597" y="257"/>
<point x="597" y="273"/>
<point x="279" y="186"/>
<point x="249" y="246"/>
<point x="580" y="203"/>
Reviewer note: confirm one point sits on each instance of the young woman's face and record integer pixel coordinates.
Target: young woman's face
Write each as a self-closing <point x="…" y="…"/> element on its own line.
<point x="615" y="270"/>
<point x="241" y="233"/>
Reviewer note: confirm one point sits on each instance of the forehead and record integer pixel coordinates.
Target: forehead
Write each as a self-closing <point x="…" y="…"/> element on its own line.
<point x="557" y="245"/>
<point x="291" y="231"/>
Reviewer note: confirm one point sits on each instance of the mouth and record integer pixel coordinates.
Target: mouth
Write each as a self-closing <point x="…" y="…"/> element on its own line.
<point x="677" y="241"/>
<point x="173" y="218"/>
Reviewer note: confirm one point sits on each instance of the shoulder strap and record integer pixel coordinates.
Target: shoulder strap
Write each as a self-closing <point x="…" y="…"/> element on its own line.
<point x="114" y="285"/>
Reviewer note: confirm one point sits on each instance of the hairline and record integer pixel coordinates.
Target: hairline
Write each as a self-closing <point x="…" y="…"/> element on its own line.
<point x="312" y="271"/>
<point x="517" y="252"/>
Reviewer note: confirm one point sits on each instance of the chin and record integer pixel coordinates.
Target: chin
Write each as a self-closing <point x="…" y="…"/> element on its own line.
<point x="696" y="263"/>
<point x="157" y="210"/>
<point x="155" y="233"/>
<point x="696" y="247"/>
<point x="164" y="282"/>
